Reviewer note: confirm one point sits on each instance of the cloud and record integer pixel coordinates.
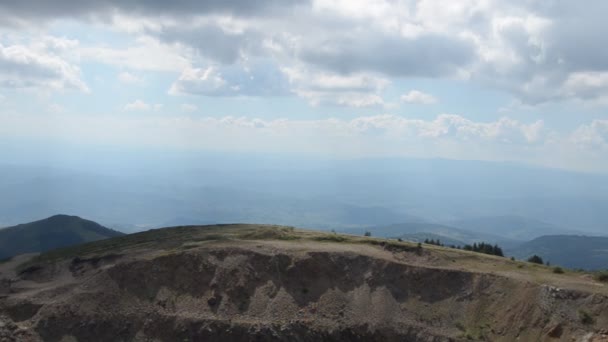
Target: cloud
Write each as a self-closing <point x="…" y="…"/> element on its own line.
<point x="537" y="52"/>
<point x="257" y="79"/>
<point x="56" y="108"/>
<point x="186" y="107"/>
<point x="446" y="136"/>
<point x="146" y="54"/>
<point x="128" y="78"/>
<point x="37" y="67"/>
<point x="358" y="90"/>
<point x="21" y="13"/>
<point x="139" y="105"/>
<point x="430" y="55"/>
<point x="418" y="97"/>
<point x="592" y="136"/>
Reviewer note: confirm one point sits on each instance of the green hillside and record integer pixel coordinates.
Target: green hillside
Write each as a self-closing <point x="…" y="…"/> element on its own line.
<point x="53" y="232"/>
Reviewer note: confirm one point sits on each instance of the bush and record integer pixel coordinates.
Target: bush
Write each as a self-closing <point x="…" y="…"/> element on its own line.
<point x="535" y="259"/>
<point x="585" y="317"/>
<point x="367" y="233"/>
<point x="558" y="270"/>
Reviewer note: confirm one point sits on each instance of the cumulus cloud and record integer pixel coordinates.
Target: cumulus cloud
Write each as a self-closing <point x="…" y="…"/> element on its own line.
<point x="538" y="52"/>
<point x="37" y="67"/>
<point x="418" y="97"/>
<point x="259" y="79"/>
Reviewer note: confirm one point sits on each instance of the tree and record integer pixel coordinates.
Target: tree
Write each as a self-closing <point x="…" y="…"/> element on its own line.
<point x="536" y="259"/>
<point x="367" y="233"/>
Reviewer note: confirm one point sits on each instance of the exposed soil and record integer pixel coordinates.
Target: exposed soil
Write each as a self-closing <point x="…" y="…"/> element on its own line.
<point x="271" y="290"/>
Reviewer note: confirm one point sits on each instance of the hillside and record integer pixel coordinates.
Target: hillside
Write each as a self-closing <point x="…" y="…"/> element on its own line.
<point x="510" y="227"/>
<point x="443" y="232"/>
<point x="273" y="283"/>
<point x="53" y="232"/>
<point x="421" y="237"/>
<point x="573" y="251"/>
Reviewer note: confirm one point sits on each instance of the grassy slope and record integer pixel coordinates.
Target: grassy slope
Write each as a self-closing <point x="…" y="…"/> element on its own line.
<point x="178" y="239"/>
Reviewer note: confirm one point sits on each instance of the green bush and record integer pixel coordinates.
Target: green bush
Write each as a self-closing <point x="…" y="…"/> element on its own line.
<point x="558" y="270"/>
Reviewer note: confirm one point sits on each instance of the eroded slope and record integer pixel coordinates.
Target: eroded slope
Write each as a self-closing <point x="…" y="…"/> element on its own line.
<point x="242" y="283"/>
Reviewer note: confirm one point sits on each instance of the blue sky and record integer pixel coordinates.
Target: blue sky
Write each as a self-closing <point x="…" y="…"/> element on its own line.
<point x="523" y="81"/>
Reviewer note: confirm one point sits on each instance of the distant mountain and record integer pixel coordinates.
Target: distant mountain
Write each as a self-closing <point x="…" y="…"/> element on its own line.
<point x="442" y="232"/>
<point x="53" y="232"/>
<point x="572" y="251"/>
<point x="511" y="227"/>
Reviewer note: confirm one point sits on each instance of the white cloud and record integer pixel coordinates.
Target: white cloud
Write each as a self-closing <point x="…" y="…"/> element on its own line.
<point x="146" y="54"/>
<point x="255" y="79"/>
<point x="38" y="67"/>
<point x="129" y="78"/>
<point x="359" y="90"/>
<point x="446" y="136"/>
<point x="418" y="97"/>
<point x="592" y="136"/>
<point x="187" y="107"/>
<point x="139" y="105"/>
<point x="200" y="81"/>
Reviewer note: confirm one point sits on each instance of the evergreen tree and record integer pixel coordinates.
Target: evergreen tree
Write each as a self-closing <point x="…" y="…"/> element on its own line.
<point x="535" y="259"/>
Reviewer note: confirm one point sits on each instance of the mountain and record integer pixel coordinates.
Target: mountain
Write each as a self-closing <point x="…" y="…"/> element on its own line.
<point x="53" y="232"/>
<point x="443" y="232"/>
<point x="511" y="227"/>
<point x="572" y="251"/>
<point x="276" y="283"/>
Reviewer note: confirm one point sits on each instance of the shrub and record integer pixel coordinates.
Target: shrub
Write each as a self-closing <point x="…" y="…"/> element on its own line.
<point x="558" y="270"/>
<point x="585" y="317"/>
<point x="367" y="233"/>
<point x="602" y="276"/>
<point x="330" y="238"/>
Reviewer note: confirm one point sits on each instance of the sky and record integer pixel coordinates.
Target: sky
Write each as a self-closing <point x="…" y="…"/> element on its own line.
<point x="523" y="81"/>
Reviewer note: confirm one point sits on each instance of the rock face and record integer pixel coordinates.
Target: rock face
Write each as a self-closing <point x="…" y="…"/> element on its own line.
<point x="285" y="291"/>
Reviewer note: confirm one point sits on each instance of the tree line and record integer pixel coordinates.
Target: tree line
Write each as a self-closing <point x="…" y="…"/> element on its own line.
<point x="481" y="247"/>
